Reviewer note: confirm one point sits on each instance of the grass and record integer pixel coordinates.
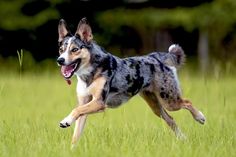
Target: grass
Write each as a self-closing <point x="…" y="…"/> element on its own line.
<point x="31" y="108"/>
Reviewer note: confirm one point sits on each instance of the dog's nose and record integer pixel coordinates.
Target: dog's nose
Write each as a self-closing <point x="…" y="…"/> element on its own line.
<point x="61" y="61"/>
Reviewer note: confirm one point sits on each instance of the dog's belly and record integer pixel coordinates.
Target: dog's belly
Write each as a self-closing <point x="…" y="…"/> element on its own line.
<point x="116" y="99"/>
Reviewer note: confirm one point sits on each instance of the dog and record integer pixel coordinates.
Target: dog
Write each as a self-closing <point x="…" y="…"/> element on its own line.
<point x="107" y="81"/>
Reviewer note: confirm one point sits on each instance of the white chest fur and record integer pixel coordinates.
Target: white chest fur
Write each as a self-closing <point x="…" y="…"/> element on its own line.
<point x="81" y="88"/>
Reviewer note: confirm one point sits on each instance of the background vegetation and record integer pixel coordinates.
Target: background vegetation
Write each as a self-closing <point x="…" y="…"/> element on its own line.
<point x="205" y="29"/>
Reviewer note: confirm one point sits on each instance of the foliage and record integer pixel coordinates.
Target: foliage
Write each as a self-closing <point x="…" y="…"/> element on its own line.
<point x="12" y="17"/>
<point x="219" y="13"/>
<point x="217" y="18"/>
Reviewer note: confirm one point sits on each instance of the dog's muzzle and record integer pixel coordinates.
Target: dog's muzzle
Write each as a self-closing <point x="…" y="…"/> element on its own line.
<point x="61" y="61"/>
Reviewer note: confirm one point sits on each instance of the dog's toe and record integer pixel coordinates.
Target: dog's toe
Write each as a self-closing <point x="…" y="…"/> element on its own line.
<point x="200" y="118"/>
<point x="66" y="122"/>
<point x="64" y="125"/>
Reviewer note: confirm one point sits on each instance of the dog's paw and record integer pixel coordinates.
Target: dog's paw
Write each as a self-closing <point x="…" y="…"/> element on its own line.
<point x="200" y="118"/>
<point x="66" y="122"/>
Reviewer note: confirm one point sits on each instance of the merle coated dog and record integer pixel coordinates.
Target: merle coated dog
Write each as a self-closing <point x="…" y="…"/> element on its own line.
<point x="107" y="81"/>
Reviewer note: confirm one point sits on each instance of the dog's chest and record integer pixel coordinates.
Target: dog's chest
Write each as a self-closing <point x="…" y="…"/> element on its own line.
<point x="81" y="89"/>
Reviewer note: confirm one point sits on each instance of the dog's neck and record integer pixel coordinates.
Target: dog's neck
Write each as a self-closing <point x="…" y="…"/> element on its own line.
<point x="99" y="59"/>
<point x="84" y="73"/>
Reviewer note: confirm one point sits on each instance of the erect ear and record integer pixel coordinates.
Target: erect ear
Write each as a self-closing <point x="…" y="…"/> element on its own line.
<point x="84" y="31"/>
<point x="62" y="30"/>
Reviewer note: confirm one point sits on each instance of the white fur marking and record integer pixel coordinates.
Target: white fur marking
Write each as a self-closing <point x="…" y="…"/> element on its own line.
<point x="172" y="47"/>
<point x="200" y="117"/>
<point x="65" y="55"/>
<point x="68" y="120"/>
<point x="175" y="76"/>
<point x="81" y="88"/>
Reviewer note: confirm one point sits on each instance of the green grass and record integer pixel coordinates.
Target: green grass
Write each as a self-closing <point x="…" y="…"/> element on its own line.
<point x="32" y="107"/>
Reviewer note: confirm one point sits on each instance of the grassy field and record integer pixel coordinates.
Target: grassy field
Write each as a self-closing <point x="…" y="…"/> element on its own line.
<point x="31" y="107"/>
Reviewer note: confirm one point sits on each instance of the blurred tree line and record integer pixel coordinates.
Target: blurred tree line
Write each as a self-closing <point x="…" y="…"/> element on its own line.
<point x="204" y="28"/>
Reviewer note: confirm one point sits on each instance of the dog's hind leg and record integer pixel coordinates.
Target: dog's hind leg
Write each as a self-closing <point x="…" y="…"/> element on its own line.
<point x="168" y="93"/>
<point x="197" y="115"/>
<point x="157" y="108"/>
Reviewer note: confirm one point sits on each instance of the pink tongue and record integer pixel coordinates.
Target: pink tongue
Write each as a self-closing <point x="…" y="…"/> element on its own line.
<point x="67" y="70"/>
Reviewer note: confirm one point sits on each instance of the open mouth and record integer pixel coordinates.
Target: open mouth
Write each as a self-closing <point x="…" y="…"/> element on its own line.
<point x="68" y="70"/>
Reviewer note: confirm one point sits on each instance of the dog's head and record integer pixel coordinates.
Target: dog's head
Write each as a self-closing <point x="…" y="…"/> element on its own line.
<point x="74" y="49"/>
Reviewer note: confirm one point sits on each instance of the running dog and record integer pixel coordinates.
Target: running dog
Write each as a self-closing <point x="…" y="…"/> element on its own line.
<point x="107" y="81"/>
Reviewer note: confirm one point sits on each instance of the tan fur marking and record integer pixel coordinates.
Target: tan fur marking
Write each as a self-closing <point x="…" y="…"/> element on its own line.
<point x="83" y="54"/>
<point x="97" y="74"/>
<point x="95" y="89"/>
<point x="152" y="104"/>
<point x="186" y="104"/>
<point x="79" y="126"/>
<point x="80" y="122"/>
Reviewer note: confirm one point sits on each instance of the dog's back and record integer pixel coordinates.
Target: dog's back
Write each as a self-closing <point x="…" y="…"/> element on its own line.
<point x="142" y="73"/>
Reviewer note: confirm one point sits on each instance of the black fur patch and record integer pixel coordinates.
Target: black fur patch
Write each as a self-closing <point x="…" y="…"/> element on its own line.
<point x="137" y="82"/>
<point x="114" y="89"/>
<point x="108" y="64"/>
<point x="128" y="79"/>
<point x="114" y="63"/>
<point x="124" y="62"/>
<point x="104" y="94"/>
<point x="152" y="68"/>
<point x="162" y="66"/>
<point x="167" y="68"/>
<point x="164" y="95"/>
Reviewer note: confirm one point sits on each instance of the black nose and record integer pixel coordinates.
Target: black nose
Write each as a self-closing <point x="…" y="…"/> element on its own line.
<point x="61" y="61"/>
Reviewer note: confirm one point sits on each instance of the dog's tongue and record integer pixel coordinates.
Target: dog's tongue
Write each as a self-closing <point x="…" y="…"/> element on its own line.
<point x="66" y="72"/>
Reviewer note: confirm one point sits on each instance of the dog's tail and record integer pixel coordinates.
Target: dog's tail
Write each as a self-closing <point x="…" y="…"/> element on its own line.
<point x="177" y="56"/>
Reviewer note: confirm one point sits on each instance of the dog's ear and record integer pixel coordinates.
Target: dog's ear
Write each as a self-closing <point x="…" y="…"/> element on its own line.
<point x="63" y="30"/>
<point x="84" y="31"/>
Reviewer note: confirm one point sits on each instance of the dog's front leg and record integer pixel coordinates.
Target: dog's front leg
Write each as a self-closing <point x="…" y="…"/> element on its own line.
<point x="80" y="122"/>
<point x="79" y="127"/>
<point x="97" y="90"/>
<point x="92" y="107"/>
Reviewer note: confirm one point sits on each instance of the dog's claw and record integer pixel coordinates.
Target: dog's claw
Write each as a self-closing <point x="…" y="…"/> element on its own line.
<point x="201" y="121"/>
<point x="66" y="122"/>
<point x="64" y="125"/>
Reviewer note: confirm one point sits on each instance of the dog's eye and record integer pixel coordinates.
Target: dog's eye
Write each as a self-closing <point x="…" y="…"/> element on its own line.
<point x="74" y="49"/>
<point x="60" y="50"/>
